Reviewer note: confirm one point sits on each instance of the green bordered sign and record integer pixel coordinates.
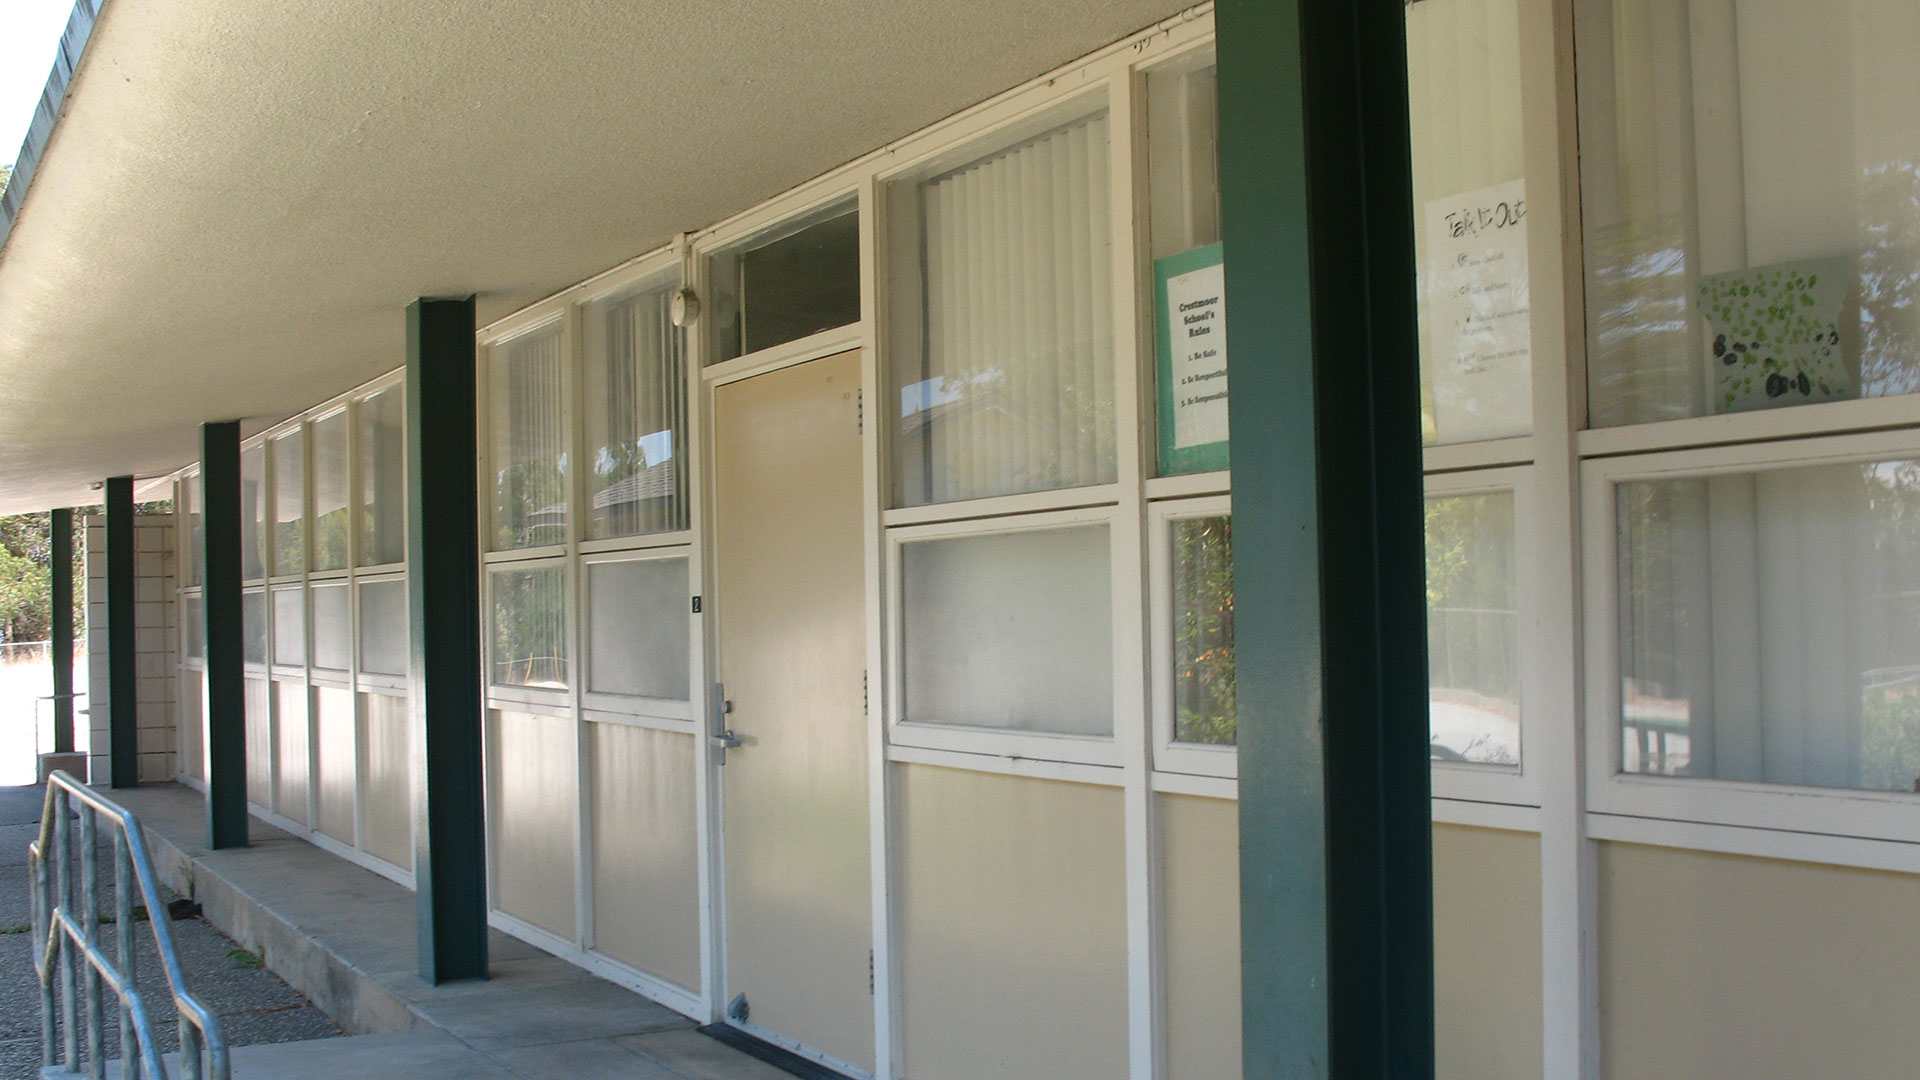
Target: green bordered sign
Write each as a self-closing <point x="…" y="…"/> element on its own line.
<point x="1190" y="300"/>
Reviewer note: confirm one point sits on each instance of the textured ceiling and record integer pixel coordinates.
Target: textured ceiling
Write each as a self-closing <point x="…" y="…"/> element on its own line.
<point x="242" y="197"/>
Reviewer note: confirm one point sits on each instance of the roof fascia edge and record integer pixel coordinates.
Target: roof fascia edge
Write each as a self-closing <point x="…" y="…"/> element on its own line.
<point x="66" y="63"/>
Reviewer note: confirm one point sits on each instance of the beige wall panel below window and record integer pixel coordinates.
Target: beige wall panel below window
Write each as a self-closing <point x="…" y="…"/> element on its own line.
<point x="193" y="721"/>
<point x="1721" y="966"/>
<point x="1200" y="869"/>
<point x="290" y="750"/>
<point x="1013" y="944"/>
<point x="334" y="761"/>
<point x="1486" y="954"/>
<point x="646" y="887"/>
<point x="530" y="810"/>
<point x="259" y="725"/>
<point x="388" y="778"/>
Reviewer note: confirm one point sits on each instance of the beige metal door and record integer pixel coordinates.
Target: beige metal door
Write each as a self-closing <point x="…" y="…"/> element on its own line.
<point x="788" y="554"/>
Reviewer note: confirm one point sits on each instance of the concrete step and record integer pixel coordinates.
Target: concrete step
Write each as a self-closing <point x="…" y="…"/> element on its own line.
<point x="424" y="1054"/>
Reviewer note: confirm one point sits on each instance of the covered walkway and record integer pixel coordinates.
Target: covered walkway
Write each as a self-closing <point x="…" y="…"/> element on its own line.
<point x="346" y="938"/>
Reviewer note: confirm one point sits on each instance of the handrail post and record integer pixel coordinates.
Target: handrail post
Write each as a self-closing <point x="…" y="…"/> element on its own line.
<point x="130" y="1068"/>
<point x="69" y="977"/>
<point x="90" y="924"/>
<point x="43" y="958"/>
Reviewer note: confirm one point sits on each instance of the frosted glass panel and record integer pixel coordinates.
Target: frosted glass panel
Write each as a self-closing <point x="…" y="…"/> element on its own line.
<point x="1751" y="203"/>
<point x="527" y="441"/>
<point x="636" y="409"/>
<point x="330" y="492"/>
<point x="386" y="732"/>
<point x="1470" y="223"/>
<point x="384" y="642"/>
<point x="289" y="503"/>
<point x="1203" y="679"/>
<point x="383" y="478"/>
<point x="289" y="626"/>
<point x="530" y="628"/>
<point x="1012" y="631"/>
<point x="290" y="748"/>
<point x="332" y="627"/>
<point x="253" y="622"/>
<point x="253" y="511"/>
<point x="193" y="625"/>
<point x="637" y="628"/>
<point x="1473" y="629"/>
<point x="1003" y="354"/>
<point x="334" y="765"/>
<point x="257" y="718"/>
<point x="1770" y="626"/>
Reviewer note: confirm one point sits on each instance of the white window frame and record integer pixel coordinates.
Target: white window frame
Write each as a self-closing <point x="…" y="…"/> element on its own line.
<point x="666" y="713"/>
<point x="1169" y="756"/>
<point x="1101" y="750"/>
<point x="1477" y="781"/>
<point x="1786" y="808"/>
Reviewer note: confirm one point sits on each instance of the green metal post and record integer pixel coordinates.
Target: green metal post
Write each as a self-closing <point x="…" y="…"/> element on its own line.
<point x="1330" y="626"/>
<point x="61" y="633"/>
<point x="443" y="593"/>
<point x="226" y="693"/>
<point x="123" y="717"/>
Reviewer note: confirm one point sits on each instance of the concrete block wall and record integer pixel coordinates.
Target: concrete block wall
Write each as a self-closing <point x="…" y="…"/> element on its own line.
<point x="156" y="639"/>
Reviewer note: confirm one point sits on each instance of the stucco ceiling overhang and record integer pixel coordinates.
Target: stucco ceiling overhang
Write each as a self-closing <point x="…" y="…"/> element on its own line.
<point x="240" y="198"/>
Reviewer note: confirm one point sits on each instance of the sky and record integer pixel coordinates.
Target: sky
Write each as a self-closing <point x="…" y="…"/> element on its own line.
<point x="29" y="37"/>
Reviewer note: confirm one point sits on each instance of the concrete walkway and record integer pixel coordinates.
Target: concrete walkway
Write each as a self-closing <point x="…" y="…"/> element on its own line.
<point x="346" y="938"/>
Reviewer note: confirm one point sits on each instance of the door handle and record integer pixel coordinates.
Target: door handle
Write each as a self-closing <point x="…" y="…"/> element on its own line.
<point x="725" y="740"/>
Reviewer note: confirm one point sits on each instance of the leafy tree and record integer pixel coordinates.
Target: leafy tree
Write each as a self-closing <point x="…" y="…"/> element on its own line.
<point x="26" y="578"/>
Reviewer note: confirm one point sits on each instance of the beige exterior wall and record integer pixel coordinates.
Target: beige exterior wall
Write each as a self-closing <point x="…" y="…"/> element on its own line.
<point x="646" y="876"/>
<point x="1200" y="928"/>
<point x="1725" y="966"/>
<point x="530" y="816"/>
<point x="1486" y="954"/>
<point x="155" y="644"/>
<point x="1011" y="896"/>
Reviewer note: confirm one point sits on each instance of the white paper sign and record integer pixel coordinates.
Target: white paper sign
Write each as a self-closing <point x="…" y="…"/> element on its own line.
<point x="1474" y="308"/>
<point x="1197" y="312"/>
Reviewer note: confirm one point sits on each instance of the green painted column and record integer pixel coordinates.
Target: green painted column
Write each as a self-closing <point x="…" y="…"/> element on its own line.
<point x="443" y="594"/>
<point x="123" y="686"/>
<point x="224" y="619"/>
<point x="1330" y="619"/>
<point x="60" y="599"/>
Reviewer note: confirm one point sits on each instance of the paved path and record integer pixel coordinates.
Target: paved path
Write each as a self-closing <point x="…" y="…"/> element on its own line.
<point x="254" y="1005"/>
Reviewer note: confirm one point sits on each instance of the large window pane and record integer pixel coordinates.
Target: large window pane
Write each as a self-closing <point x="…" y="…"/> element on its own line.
<point x="1012" y="631"/>
<point x="527" y="440"/>
<point x="781" y="287"/>
<point x="636" y="406"/>
<point x="289" y="503"/>
<point x="383" y="478"/>
<point x="1003" y="349"/>
<point x="193" y="626"/>
<point x="1751" y="203"/>
<point x="253" y="511"/>
<point x="1183" y="195"/>
<point x="190" y="509"/>
<point x="1203" y="675"/>
<point x="290" y="626"/>
<point x="384" y="642"/>
<point x="332" y="628"/>
<point x="330" y="528"/>
<point x="1469" y="191"/>
<point x="637" y="628"/>
<point x="530" y="628"/>
<point x="1473" y="629"/>
<point x="1770" y="626"/>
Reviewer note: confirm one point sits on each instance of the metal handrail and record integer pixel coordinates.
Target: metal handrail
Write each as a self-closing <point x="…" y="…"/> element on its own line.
<point x="66" y="940"/>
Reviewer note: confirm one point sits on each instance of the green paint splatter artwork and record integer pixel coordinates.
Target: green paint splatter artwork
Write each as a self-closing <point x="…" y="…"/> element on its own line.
<point x="1776" y="337"/>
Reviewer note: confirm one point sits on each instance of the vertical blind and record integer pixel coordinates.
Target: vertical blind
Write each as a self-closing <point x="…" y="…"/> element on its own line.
<point x="636" y="417"/>
<point x="1012" y="388"/>
<point x="528" y="442"/>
